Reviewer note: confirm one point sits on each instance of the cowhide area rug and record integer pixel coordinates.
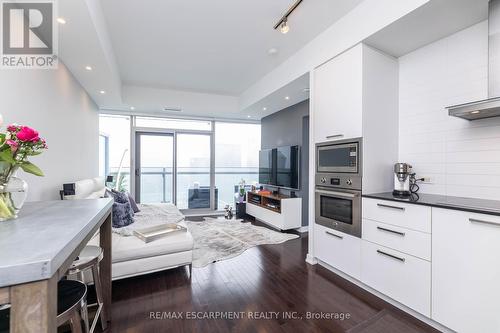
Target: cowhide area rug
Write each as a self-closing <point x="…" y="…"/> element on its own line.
<point x="220" y="239"/>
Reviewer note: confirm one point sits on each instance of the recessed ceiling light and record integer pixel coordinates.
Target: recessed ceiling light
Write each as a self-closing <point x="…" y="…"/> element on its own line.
<point x="272" y="51"/>
<point x="475" y="112"/>
<point x="132" y="108"/>
<point x="264" y="109"/>
<point x="249" y="116"/>
<point x="287" y="97"/>
<point x="102" y="92"/>
<point x="89" y="68"/>
<point x="61" y="20"/>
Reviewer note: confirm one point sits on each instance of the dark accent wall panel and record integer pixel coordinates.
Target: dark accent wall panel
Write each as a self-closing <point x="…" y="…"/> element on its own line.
<point x="289" y="127"/>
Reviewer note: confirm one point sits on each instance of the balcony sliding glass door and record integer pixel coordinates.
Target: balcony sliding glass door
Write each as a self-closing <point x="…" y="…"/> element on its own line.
<point x="154" y="167"/>
<point x="174" y="167"/>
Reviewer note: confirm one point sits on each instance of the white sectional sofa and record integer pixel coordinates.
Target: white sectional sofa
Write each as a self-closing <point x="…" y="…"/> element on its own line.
<point x="130" y="255"/>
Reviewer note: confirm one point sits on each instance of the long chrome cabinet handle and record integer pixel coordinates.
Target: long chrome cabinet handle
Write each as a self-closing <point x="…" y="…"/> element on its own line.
<point x="338" y="194"/>
<point x="402" y="234"/>
<point x="484" y="222"/>
<point x="392" y="207"/>
<point x="335" y="136"/>
<point x="391" y="256"/>
<point x="334" y="235"/>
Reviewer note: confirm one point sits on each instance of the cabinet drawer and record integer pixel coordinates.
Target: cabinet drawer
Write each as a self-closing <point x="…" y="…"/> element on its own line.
<point x="402" y="277"/>
<point x="265" y="215"/>
<point x="338" y="250"/>
<point x="408" y="241"/>
<point x="409" y="216"/>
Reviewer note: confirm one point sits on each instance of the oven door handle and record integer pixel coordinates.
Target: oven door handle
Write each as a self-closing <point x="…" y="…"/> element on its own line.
<point x="338" y="194"/>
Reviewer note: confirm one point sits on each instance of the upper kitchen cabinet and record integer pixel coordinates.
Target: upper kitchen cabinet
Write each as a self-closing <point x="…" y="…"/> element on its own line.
<point x="356" y="95"/>
<point x="351" y="91"/>
<point x="337" y="97"/>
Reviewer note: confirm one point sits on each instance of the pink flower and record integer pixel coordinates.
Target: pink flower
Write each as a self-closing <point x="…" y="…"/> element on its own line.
<point x="12" y="128"/>
<point x="27" y="134"/>
<point x="13" y="145"/>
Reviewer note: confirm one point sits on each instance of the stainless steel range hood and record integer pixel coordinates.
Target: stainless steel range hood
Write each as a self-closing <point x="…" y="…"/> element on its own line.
<point x="490" y="107"/>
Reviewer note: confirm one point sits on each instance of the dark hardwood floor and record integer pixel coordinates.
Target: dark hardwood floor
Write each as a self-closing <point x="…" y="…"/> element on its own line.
<point x="268" y="278"/>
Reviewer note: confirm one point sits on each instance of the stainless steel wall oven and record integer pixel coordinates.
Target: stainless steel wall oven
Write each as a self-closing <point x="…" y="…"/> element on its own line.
<point x="338" y="185"/>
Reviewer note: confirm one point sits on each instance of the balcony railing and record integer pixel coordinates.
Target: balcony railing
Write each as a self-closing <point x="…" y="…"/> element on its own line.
<point x="156" y="183"/>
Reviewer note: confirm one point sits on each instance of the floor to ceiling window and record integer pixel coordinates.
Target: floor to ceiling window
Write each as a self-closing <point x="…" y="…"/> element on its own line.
<point x="237" y="148"/>
<point x="193" y="171"/>
<point x="196" y="164"/>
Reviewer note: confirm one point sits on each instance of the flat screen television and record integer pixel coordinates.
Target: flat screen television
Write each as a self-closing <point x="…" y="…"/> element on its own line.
<point x="280" y="167"/>
<point x="266" y="166"/>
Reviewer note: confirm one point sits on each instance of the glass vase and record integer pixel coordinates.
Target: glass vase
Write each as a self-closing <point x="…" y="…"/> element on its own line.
<point x="13" y="193"/>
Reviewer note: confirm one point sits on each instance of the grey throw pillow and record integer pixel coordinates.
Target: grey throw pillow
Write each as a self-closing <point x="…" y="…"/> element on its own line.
<point x="123" y="215"/>
<point x="135" y="208"/>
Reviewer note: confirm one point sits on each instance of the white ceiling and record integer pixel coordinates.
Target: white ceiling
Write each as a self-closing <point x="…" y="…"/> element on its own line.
<point x="218" y="46"/>
<point x="200" y="55"/>
<point x="429" y="23"/>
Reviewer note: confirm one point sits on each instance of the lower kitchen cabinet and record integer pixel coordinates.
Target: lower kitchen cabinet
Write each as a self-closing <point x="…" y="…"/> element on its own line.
<point x="400" y="276"/>
<point x="338" y="250"/>
<point x="466" y="271"/>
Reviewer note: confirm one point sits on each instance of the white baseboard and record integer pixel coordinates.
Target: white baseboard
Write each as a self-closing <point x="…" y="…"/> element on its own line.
<point x="311" y="260"/>
<point x="400" y="306"/>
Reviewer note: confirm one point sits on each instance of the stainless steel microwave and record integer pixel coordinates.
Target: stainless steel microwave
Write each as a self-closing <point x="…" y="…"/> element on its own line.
<point x="343" y="156"/>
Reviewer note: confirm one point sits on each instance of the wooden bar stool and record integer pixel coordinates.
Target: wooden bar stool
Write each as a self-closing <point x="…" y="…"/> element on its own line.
<point x="71" y="306"/>
<point x="89" y="259"/>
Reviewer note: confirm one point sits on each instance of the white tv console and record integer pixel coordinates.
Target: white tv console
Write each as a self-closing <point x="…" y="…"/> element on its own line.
<point x="279" y="211"/>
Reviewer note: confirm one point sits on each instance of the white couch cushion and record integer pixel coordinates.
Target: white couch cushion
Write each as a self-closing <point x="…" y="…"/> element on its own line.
<point x="88" y="189"/>
<point x="132" y="248"/>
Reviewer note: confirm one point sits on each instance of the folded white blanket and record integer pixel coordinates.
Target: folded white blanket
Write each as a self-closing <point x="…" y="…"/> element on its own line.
<point x="151" y="215"/>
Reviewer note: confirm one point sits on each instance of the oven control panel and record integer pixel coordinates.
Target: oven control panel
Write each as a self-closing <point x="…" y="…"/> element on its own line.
<point x="347" y="181"/>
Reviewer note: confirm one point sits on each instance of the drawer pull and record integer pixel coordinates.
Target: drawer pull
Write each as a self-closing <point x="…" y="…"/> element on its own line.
<point x="334" y="235"/>
<point x="484" y="222"/>
<point x="392" y="207"/>
<point x="335" y="136"/>
<point x="391" y="256"/>
<point x="402" y="234"/>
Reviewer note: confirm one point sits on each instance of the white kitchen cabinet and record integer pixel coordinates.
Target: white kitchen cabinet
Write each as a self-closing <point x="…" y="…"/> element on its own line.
<point x="415" y="243"/>
<point x="411" y="216"/>
<point x="405" y="278"/>
<point x="338" y="250"/>
<point x="337" y="91"/>
<point x="466" y="271"/>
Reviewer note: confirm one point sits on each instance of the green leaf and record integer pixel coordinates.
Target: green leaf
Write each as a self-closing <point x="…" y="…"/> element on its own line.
<point x="6" y="156"/>
<point x="31" y="168"/>
<point x="34" y="153"/>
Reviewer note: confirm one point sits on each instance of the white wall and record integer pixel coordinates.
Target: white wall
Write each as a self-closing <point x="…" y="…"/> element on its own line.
<point x="55" y="104"/>
<point x="461" y="157"/>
